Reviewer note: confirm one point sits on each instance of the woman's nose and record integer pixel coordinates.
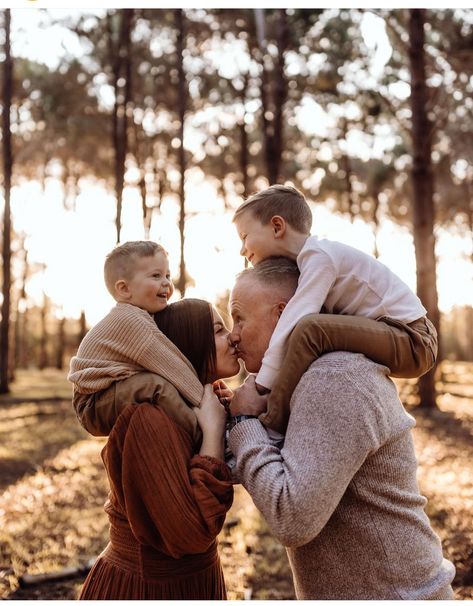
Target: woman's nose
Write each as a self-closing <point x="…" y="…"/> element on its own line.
<point x="243" y="250"/>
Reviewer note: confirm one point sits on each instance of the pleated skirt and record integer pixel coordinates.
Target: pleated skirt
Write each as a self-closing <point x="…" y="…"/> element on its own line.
<point x="193" y="578"/>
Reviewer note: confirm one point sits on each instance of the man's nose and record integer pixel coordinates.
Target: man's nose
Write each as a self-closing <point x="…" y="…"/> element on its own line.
<point x="233" y="337"/>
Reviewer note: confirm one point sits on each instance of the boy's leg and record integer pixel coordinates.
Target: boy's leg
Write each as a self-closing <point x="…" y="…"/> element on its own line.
<point x="85" y="409"/>
<point x="424" y="345"/>
<point x="150" y="387"/>
<point x="98" y="412"/>
<point x="401" y="347"/>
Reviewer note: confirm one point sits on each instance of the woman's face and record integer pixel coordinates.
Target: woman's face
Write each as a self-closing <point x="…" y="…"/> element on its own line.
<point x="226" y="363"/>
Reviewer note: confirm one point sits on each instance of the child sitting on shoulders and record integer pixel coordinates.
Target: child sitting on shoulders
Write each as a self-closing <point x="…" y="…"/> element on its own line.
<point x="125" y="357"/>
<point x="360" y="304"/>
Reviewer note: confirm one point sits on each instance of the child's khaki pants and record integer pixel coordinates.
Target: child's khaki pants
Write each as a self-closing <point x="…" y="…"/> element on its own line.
<point x="97" y="412"/>
<point x="407" y="349"/>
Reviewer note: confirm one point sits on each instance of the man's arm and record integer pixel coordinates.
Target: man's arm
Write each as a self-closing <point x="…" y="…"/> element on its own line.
<point x="331" y="431"/>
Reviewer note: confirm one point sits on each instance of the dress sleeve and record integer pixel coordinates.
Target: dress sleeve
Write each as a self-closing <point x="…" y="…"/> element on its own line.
<point x="174" y="501"/>
<point x="315" y="281"/>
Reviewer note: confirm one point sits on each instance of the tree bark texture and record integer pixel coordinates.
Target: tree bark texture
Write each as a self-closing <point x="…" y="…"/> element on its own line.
<point x="273" y="92"/>
<point x="7" y="174"/>
<point x="120" y="57"/>
<point x="60" y="343"/>
<point x="182" y="100"/>
<point x="43" y="339"/>
<point x="244" y="140"/>
<point x="423" y="189"/>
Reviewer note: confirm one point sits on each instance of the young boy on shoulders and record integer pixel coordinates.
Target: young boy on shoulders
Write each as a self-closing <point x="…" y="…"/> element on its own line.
<point x="109" y="370"/>
<point x="356" y="303"/>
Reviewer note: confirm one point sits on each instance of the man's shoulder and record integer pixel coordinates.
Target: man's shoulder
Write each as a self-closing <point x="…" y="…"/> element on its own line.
<point x="342" y="373"/>
<point x="343" y="361"/>
<point x="357" y="386"/>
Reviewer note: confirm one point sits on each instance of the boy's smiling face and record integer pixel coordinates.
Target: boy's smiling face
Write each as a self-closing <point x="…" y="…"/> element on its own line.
<point x="258" y="241"/>
<point x="151" y="285"/>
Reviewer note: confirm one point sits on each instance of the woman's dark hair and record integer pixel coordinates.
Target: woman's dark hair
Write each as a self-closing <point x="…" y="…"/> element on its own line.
<point x="189" y="324"/>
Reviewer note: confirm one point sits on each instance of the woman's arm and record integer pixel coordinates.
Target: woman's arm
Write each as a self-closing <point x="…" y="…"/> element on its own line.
<point x="175" y="502"/>
<point x="211" y="417"/>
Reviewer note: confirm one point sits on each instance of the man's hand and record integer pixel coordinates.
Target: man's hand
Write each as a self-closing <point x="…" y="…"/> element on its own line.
<point x="247" y="401"/>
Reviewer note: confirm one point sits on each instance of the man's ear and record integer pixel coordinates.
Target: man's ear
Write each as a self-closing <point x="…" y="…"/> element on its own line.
<point x="122" y="290"/>
<point x="279" y="308"/>
<point x="278" y="225"/>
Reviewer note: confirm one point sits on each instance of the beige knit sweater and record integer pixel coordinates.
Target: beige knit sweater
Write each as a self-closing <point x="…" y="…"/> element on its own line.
<point x="125" y="342"/>
<point x="342" y="493"/>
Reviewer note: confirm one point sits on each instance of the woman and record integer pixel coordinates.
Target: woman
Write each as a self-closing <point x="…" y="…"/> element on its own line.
<point x="169" y="494"/>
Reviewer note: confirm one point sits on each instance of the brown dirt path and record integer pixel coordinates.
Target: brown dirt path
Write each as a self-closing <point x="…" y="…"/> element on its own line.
<point x="54" y="488"/>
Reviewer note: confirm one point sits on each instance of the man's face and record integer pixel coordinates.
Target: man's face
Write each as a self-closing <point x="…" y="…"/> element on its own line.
<point x="255" y="312"/>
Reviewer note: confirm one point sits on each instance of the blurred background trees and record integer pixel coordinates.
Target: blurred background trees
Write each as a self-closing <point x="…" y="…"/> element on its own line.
<point x="158" y="101"/>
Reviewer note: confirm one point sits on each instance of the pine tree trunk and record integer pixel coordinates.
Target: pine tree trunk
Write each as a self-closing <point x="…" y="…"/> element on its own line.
<point x="61" y="343"/>
<point x="375" y="223"/>
<point x="422" y="184"/>
<point x="244" y="140"/>
<point x="273" y="93"/>
<point x="7" y="174"/>
<point x="265" y="94"/>
<point x="348" y="174"/>
<point x="120" y="55"/>
<point x="82" y="328"/>
<point x="43" y="351"/>
<point x="182" y="96"/>
<point x="280" y="92"/>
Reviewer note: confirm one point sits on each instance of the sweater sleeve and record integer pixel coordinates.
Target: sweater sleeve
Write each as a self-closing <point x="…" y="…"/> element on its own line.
<point x="174" y="502"/>
<point x="317" y="277"/>
<point x="331" y="431"/>
<point x="161" y="356"/>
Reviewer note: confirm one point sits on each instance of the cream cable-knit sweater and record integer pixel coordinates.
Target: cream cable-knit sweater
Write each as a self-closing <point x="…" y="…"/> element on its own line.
<point x="342" y="494"/>
<point x="125" y="342"/>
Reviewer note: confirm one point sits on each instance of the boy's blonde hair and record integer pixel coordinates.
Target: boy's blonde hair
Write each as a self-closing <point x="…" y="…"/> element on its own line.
<point x="120" y="262"/>
<point x="283" y="200"/>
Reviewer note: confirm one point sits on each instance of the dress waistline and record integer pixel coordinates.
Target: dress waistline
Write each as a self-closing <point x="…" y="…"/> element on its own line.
<point x="125" y="552"/>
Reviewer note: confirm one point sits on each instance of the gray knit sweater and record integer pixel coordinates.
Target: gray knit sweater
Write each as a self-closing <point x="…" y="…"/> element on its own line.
<point x="342" y="494"/>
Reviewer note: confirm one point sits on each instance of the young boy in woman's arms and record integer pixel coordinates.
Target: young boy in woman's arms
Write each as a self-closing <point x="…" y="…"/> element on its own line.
<point x="125" y="357"/>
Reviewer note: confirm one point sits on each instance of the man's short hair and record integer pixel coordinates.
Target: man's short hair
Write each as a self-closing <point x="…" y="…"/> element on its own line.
<point x="274" y="272"/>
<point x="120" y="262"/>
<point x="283" y="200"/>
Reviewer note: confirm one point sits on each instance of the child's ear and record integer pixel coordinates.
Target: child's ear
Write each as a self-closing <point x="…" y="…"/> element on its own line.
<point x="122" y="290"/>
<point x="279" y="226"/>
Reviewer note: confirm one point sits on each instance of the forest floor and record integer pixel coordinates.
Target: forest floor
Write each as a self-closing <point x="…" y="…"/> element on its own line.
<point x="53" y="487"/>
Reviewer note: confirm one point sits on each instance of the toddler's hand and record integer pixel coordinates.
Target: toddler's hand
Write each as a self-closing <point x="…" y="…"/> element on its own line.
<point x="224" y="393"/>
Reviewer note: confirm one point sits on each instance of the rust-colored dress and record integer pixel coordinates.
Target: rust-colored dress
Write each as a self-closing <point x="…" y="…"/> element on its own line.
<point x="166" y="507"/>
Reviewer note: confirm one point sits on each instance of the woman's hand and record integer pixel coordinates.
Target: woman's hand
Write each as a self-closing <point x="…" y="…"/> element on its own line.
<point x="211" y="417"/>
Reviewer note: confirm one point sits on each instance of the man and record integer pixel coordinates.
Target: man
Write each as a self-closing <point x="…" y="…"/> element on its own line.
<point x="341" y="494"/>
